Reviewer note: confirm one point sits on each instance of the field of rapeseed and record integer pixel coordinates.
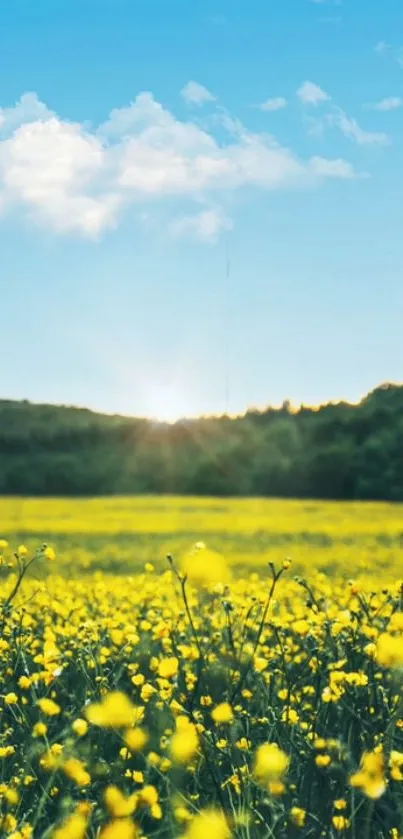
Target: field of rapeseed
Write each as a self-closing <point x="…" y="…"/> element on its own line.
<point x="222" y="669"/>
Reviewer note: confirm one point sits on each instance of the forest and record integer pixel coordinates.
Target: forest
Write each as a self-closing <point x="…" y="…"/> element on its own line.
<point x="337" y="451"/>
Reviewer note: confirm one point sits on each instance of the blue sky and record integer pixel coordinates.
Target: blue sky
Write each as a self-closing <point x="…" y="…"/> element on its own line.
<point x="141" y="141"/>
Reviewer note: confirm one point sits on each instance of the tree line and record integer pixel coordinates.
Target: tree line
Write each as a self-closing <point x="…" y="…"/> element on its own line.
<point x="338" y="451"/>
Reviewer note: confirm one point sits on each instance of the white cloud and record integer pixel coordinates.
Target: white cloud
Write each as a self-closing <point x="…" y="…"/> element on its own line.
<point x="72" y="178"/>
<point x="46" y="164"/>
<point x="277" y="103"/>
<point x="28" y="109"/>
<point x="390" y="103"/>
<point x="332" y="168"/>
<point x="311" y="94"/>
<point x="206" y="225"/>
<point x="351" y="129"/>
<point x="196" y="94"/>
<point x="381" y="47"/>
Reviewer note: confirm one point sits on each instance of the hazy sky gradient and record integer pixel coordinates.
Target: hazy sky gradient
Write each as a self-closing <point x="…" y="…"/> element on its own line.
<point x="142" y="140"/>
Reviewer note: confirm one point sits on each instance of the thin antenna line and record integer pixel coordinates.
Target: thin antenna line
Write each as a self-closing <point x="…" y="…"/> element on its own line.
<point x="226" y="325"/>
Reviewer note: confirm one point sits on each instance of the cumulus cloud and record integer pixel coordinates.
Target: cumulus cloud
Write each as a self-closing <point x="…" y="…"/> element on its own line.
<point x="277" y="103"/>
<point x="28" y="109"/>
<point x="353" y="131"/>
<point x="390" y="103"/>
<point x="73" y="178"/>
<point x="196" y="94"/>
<point x="340" y="168"/>
<point x="311" y="94"/>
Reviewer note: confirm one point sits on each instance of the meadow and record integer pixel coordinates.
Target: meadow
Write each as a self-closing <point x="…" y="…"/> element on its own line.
<point x="182" y="667"/>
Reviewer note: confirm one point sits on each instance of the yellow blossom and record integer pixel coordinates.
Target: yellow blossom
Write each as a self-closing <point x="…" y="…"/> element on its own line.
<point x="370" y="777"/>
<point x="120" y="829"/>
<point x="210" y="824"/>
<point x="75" y="769"/>
<point x="389" y="651"/>
<point x="222" y="713"/>
<point x="49" y="707"/>
<point x="80" y="727"/>
<point x="168" y="668"/>
<point x="40" y="729"/>
<point x="115" y="711"/>
<point x="119" y="804"/>
<point x="340" y="822"/>
<point x="298" y="816"/>
<point x="271" y="763"/>
<point x="185" y="741"/>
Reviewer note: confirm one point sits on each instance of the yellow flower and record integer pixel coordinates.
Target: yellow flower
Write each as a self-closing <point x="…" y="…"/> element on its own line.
<point x="136" y="739"/>
<point x="222" y="713"/>
<point x="22" y="551"/>
<point x="210" y="824"/>
<point x="271" y="763"/>
<point x="291" y="716"/>
<point x="9" y="823"/>
<point x="389" y="651"/>
<point x="185" y="741"/>
<point x="115" y="711"/>
<point x="340" y="804"/>
<point x="12" y="796"/>
<point x="50" y="554"/>
<point x="147" y="691"/>
<point x="76" y="770"/>
<point x="340" y="822"/>
<point x="396" y="765"/>
<point x="323" y="760"/>
<point x="40" y="729"/>
<point x="6" y="751"/>
<point x="74" y="827"/>
<point x="80" y="727"/>
<point x="370" y="777"/>
<point x="3" y="544"/>
<point x="205" y="567"/>
<point x="11" y="698"/>
<point x="301" y="627"/>
<point x="120" y="829"/>
<point x="182" y="814"/>
<point x="49" y="707"/>
<point x="168" y="668"/>
<point x="298" y="816"/>
<point x="396" y="622"/>
<point x="118" y="804"/>
<point x="148" y="796"/>
<point x="24" y="682"/>
<point x="243" y="743"/>
<point x="276" y="788"/>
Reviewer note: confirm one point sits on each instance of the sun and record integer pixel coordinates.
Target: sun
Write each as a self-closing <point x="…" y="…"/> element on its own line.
<point x="166" y="403"/>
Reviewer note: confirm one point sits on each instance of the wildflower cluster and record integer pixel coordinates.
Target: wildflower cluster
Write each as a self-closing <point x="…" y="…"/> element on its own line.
<point x="187" y="703"/>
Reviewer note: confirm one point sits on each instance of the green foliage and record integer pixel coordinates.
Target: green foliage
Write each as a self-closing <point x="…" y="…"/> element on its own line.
<point x="338" y="451"/>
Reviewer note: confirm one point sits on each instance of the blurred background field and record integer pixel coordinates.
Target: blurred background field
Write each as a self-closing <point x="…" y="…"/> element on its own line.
<point x="120" y="534"/>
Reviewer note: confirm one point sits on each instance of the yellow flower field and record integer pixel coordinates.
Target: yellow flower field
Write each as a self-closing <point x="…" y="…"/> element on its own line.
<point x="201" y="668"/>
